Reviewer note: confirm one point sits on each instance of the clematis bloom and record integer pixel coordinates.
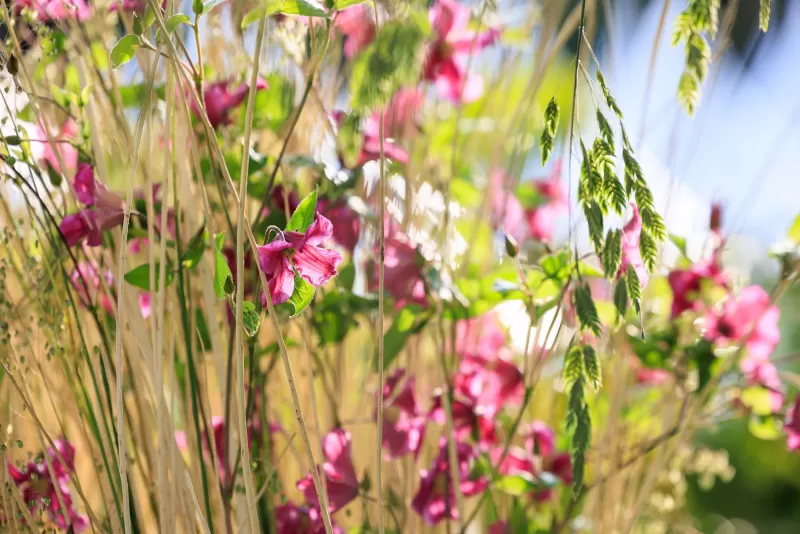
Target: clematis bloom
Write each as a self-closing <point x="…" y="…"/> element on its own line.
<point x="792" y="425"/>
<point x="403" y="424"/>
<point x="220" y="101"/>
<point x="433" y="501"/>
<point x="293" y="519"/>
<point x="357" y="25"/>
<point x="686" y="284"/>
<point x="448" y="56"/>
<point x="402" y="272"/>
<point x="346" y="222"/>
<point x="87" y="276"/>
<point x="56" y="10"/>
<point x="300" y="252"/>
<point x="51" y="152"/>
<point x="39" y="488"/>
<point x="491" y="382"/>
<point x="341" y="481"/>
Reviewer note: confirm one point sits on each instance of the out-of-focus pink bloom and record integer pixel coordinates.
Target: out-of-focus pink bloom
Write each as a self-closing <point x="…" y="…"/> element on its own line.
<point x="402" y="273"/>
<point x="39" y="488"/>
<point x="285" y="201"/>
<point x="792" y="425"/>
<point x="293" y="519"/>
<point x="552" y="189"/>
<point x="341" y="480"/>
<point x="50" y="153"/>
<point x="686" y="284"/>
<point x="631" y="255"/>
<point x="403" y="424"/>
<point x="87" y="276"/>
<point x="56" y="10"/>
<point x="484" y="335"/>
<point x="516" y="462"/>
<point x="651" y="377"/>
<point x="144" y="304"/>
<point x="542" y="222"/>
<point x="219" y="101"/>
<point x="491" y="382"/>
<point x="371" y="148"/>
<point x="400" y="116"/>
<point x="499" y="527"/>
<point x="765" y="374"/>
<point x="89" y="225"/>
<point x="357" y="25"/>
<point x="302" y="252"/>
<point x="132" y="6"/>
<point x="433" y="501"/>
<point x="448" y="56"/>
<point x="346" y="223"/>
<point x="540" y="439"/>
<point x="749" y="319"/>
<point x="467" y="420"/>
<point x="507" y="211"/>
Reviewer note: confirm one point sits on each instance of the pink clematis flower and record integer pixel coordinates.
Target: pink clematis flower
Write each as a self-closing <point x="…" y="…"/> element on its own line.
<point x="749" y="319"/>
<point x="371" y="148"/>
<point x="448" y="56"/>
<point x="51" y="152"/>
<point x="303" y="253"/>
<point x="293" y="519"/>
<point x="87" y="276"/>
<point x="91" y="193"/>
<point x="39" y="488"/>
<point x="56" y="10"/>
<point x="467" y="419"/>
<point x="341" y="480"/>
<point x="357" y="24"/>
<point x="88" y="224"/>
<point x="540" y="439"/>
<point x="686" y="284"/>
<point x="402" y="273"/>
<point x="792" y="425"/>
<point x="765" y="374"/>
<point x="219" y="101"/>
<point x="403" y="424"/>
<point x="484" y="335"/>
<point x="507" y="211"/>
<point x="491" y="382"/>
<point x="346" y="223"/>
<point x="631" y="255"/>
<point x="433" y="501"/>
<point x="400" y="116"/>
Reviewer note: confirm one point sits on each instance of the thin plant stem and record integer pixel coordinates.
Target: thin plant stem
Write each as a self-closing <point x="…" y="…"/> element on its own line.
<point x="252" y="510"/>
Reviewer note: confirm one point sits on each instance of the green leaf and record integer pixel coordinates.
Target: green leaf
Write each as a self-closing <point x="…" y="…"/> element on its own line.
<point x="302" y="296"/>
<point x="634" y="288"/>
<point x="252" y="17"/>
<point x="758" y="399"/>
<point x="203" y="334"/>
<point x="124" y="50"/>
<point x="390" y="61"/>
<point x="407" y="322"/>
<point x="765" y="427"/>
<point x="306" y="8"/>
<point x="140" y="277"/>
<point x="679" y="242"/>
<point x="304" y="215"/>
<point x="195" y="248"/>
<point x="516" y="485"/>
<point x="621" y="297"/>
<point x="251" y="319"/>
<point x="573" y="366"/>
<point x="342" y="4"/>
<point x="211" y="4"/>
<point x="223" y="277"/>
<point x="176" y="20"/>
<point x="272" y="108"/>
<point x="586" y="310"/>
<point x="612" y="253"/>
<point x="592" y="365"/>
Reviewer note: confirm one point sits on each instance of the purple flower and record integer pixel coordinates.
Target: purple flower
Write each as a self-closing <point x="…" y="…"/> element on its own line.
<point x="341" y="480"/>
<point x="433" y="501"/>
<point x="292" y="252"/>
<point x="403" y="424"/>
<point x="39" y="488"/>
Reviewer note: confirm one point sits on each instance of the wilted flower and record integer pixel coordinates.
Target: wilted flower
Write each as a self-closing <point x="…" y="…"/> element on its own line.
<point x="792" y="425"/>
<point x="39" y="488"/>
<point x="302" y="252"/>
<point x="448" y="56"/>
<point x="341" y="480"/>
<point x="403" y="424"/>
<point x="435" y="499"/>
<point x="749" y="319"/>
<point x="219" y="101"/>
